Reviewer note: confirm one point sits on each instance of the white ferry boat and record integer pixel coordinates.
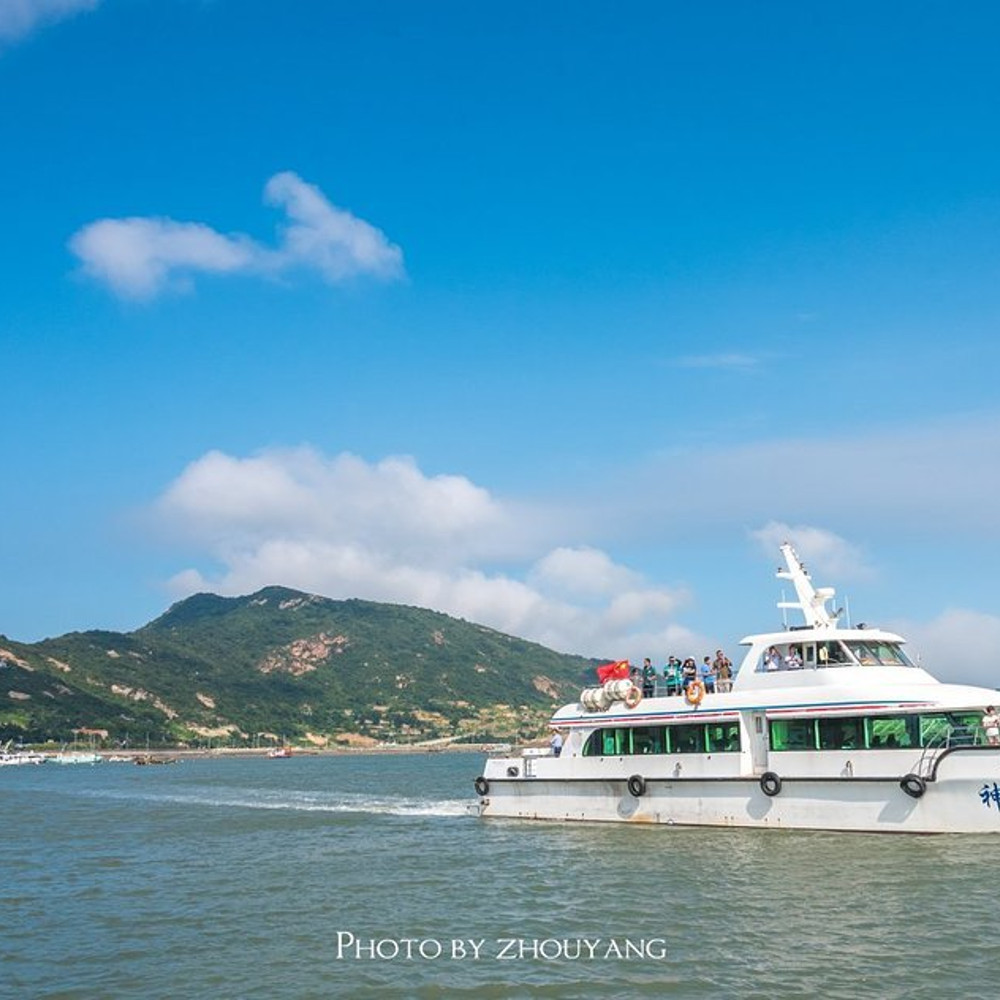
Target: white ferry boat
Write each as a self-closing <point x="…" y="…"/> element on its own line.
<point x="824" y="728"/>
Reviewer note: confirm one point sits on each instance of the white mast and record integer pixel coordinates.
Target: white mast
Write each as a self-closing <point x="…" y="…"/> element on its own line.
<point x="811" y="601"/>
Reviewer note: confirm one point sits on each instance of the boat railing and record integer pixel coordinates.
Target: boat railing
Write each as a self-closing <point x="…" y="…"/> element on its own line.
<point x="671" y="689"/>
<point x="963" y="736"/>
<point x="955" y="736"/>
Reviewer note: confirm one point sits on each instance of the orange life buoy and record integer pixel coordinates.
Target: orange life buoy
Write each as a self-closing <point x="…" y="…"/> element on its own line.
<point x="633" y="697"/>
<point x="694" y="692"/>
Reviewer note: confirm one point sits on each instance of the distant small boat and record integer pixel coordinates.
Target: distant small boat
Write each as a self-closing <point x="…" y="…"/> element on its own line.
<point x="21" y="757"/>
<point x="280" y="753"/>
<point x="77" y="757"/>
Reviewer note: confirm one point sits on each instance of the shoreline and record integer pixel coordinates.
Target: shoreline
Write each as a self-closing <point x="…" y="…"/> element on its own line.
<point x="222" y="753"/>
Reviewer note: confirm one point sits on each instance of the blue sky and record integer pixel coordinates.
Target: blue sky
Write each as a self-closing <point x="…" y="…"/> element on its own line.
<point x="557" y="317"/>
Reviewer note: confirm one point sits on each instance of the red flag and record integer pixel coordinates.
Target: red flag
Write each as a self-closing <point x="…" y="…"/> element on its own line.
<point x="613" y="671"/>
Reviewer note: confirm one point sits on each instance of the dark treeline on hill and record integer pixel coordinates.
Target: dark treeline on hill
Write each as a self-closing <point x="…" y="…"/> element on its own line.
<point x="283" y="665"/>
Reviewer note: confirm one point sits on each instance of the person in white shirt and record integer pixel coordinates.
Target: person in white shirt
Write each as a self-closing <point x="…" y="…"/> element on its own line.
<point x="794" y="659"/>
<point x="991" y="726"/>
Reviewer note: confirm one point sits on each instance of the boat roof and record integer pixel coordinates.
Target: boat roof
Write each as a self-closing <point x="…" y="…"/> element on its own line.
<point x="805" y="633"/>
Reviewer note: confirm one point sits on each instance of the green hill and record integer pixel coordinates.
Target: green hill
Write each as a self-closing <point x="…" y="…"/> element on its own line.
<point x="283" y="664"/>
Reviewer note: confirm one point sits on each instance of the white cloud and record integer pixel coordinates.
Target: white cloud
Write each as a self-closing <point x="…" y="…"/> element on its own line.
<point x="19" y="18"/>
<point x="299" y="494"/>
<point x="822" y="551"/>
<point x="959" y="646"/>
<point x="141" y="257"/>
<point x="137" y="258"/>
<point x="343" y="527"/>
<point x="582" y="573"/>
<point x="336" y="243"/>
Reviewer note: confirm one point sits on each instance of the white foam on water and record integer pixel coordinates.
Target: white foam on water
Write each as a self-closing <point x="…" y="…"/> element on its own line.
<point x="342" y="802"/>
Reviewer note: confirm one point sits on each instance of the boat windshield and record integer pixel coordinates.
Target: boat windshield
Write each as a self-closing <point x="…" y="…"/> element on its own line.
<point x="832" y="653"/>
<point x="885" y="654"/>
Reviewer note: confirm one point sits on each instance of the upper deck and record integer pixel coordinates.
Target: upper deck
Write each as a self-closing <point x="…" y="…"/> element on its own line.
<point x="816" y="667"/>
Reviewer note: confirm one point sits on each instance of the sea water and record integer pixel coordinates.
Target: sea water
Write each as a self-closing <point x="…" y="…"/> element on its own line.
<point x="365" y="876"/>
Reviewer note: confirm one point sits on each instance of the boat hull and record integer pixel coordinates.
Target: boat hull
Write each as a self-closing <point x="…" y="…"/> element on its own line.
<point x="963" y="796"/>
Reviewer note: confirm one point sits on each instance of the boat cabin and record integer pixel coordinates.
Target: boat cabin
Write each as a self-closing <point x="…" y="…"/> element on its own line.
<point x="790" y="651"/>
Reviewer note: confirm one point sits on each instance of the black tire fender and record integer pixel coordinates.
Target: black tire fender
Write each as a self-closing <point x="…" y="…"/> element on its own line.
<point x="770" y="784"/>
<point x="482" y="786"/>
<point x="913" y="785"/>
<point x="636" y="786"/>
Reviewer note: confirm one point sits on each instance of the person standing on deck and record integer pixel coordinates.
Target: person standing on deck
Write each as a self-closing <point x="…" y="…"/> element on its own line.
<point x="991" y="726"/>
<point x="672" y="675"/>
<point x="723" y="672"/>
<point x="648" y="678"/>
<point x="689" y="671"/>
<point x="708" y="675"/>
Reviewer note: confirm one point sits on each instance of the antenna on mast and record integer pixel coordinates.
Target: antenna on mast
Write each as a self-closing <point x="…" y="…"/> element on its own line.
<point x="811" y="601"/>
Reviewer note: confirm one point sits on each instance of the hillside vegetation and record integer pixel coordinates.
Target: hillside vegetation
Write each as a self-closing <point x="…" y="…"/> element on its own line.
<point x="280" y="664"/>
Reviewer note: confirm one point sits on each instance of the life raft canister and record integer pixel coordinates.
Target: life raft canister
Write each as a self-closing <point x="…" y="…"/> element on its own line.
<point x="694" y="692"/>
<point x="913" y="785"/>
<point x="482" y="786"/>
<point x="633" y="697"/>
<point x="770" y="784"/>
<point x="636" y="786"/>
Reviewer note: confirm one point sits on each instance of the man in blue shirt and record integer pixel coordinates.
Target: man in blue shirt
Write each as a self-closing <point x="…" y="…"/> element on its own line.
<point x="708" y="675"/>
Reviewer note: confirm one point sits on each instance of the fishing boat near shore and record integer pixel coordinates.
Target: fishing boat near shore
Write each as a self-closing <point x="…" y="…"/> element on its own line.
<point x="18" y="758"/>
<point x="77" y="757"/>
<point x="825" y="727"/>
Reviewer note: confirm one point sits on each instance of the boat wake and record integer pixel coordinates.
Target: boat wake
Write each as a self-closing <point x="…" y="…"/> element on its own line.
<point x="334" y="802"/>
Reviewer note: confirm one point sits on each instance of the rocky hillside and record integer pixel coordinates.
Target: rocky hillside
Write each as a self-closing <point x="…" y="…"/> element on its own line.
<point x="283" y="664"/>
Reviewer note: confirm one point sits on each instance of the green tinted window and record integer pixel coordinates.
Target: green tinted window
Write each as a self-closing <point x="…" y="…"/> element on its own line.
<point x="723" y="737"/>
<point x="687" y="739"/>
<point x="613" y="742"/>
<point x="893" y="731"/>
<point x="793" y="734"/>
<point x="933" y="729"/>
<point x="880" y="732"/>
<point x="841" y="734"/>
<point x="647" y="740"/>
